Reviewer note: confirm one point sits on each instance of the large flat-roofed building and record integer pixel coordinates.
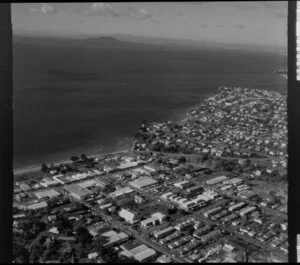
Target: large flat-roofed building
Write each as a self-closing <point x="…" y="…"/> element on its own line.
<point x="48" y="182"/>
<point x="210" y="194"/>
<point x="142" y="183"/>
<point x="140" y="171"/>
<point x="208" y="236"/>
<point x="101" y="183"/>
<point x="183" y="184"/>
<point x="88" y="183"/>
<point x="247" y="210"/>
<point x="164" y="232"/>
<point x="47" y="194"/>
<point x="24" y="187"/>
<point x="236" y="206"/>
<point x="61" y="179"/>
<point x="140" y="253"/>
<point x="155" y="218"/>
<point x="216" y="180"/>
<point x="37" y="206"/>
<point x="115" y="239"/>
<point x="166" y="195"/>
<point x="149" y="222"/>
<point x="120" y="192"/>
<point x="164" y="259"/>
<point x="77" y="191"/>
<point x="127" y="164"/>
<point x="145" y="255"/>
<point x="213" y="211"/>
<point x="79" y="176"/>
<point x="246" y="194"/>
<point x="149" y="168"/>
<point x="128" y="216"/>
<point x="195" y="189"/>
<point x="233" y="181"/>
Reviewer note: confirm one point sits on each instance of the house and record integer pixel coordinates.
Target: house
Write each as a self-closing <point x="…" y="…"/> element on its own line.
<point x="128" y="216"/>
<point x="114" y="238"/>
<point x="93" y="255"/>
<point x="153" y="220"/>
<point x="164" y="259"/>
<point x="54" y="230"/>
<point x="48" y="182"/>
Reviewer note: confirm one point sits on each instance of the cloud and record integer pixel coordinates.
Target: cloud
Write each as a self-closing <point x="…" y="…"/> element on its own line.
<point x="203" y="26"/>
<point x="143" y="14"/>
<point x="155" y="21"/>
<point x="195" y="3"/>
<point x="184" y="24"/>
<point x="275" y="5"/>
<point x="101" y="9"/>
<point x="276" y="9"/>
<point x="44" y="9"/>
<point x="239" y="26"/>
<point x="280" y="14"/>
<point x="248" y="5"/>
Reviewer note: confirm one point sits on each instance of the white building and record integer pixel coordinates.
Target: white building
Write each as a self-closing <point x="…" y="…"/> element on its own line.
<point x="142" y="183"/>
<point x="48" y="182"/>
<point x="47" y="194"/>
<point x="120" y="192"/>
<point x="128" y="216"/>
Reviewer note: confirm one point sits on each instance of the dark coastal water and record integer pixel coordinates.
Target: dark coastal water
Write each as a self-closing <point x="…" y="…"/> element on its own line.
<point x="83" y="99"/>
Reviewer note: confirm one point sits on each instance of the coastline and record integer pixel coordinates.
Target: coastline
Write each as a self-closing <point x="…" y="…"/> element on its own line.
<point x="35" y="168"/>
<point x="180" y="117"/>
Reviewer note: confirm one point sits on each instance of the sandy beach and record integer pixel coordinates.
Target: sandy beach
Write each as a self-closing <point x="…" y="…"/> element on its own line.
<point x="35" y="168"/>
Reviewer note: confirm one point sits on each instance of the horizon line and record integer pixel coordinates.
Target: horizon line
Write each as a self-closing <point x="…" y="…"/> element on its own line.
<point x="38" y="34"/>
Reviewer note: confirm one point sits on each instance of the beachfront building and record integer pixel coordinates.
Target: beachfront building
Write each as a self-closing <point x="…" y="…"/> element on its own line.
<point x="37" y="206"/>
<point x="77" y="191"/>
<point x="48" y="182"/>
<point x="47" y="194"/>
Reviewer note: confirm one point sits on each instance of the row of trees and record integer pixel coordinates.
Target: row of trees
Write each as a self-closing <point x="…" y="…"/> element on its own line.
<point x="63" y="168"/>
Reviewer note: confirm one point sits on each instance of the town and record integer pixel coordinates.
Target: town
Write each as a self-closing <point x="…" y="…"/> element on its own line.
<point x="210" y="188"/>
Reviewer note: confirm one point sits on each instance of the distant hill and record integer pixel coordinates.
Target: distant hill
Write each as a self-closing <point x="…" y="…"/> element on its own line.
<point x="140" y="42"/>
<point x="101" y="42"/>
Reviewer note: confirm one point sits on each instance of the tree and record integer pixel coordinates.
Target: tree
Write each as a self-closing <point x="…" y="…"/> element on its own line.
<point x="83" y="235"/>
<point x="44" y="168"/>
<point x="74" y="158"/>
<point x="63" y="223"/>
<point x="172" y="210"/>
<point x="83" y="157"/>
<point x="20" y="253"/>
<point x="182" y="159"/>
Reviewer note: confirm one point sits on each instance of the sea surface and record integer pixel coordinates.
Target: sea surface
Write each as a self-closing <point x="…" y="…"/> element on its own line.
<point x="74" y="99"/>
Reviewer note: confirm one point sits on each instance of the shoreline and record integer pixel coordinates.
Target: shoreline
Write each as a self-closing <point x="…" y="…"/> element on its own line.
<point x="35" y="168"/>
<point x="180" y="118"/>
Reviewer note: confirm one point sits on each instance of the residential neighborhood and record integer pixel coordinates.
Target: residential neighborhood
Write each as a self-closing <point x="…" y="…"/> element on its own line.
<point x="210" y="188"/>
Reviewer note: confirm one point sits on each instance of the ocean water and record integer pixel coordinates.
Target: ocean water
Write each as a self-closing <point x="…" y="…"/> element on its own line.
<point x="74" y="99"/>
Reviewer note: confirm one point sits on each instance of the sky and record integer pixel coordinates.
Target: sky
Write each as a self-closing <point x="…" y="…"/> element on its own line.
<point x="259" y="22"/>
